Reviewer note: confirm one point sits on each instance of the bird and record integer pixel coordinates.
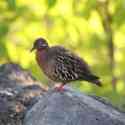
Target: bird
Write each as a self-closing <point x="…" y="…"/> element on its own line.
<point x="61" y="65"/>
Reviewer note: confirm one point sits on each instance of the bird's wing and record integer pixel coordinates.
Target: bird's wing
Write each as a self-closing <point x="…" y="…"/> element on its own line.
<point x="69" y="67"/>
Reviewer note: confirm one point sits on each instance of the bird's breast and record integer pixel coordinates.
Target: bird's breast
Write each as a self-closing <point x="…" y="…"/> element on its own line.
<point x="45" y="63"/>
<point x="41" y="58"/>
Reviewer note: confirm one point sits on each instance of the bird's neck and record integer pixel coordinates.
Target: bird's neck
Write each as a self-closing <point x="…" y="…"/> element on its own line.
<point x="41" y="56"/>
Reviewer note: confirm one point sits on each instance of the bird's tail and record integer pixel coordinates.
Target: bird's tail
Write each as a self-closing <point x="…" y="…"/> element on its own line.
<point x="97" y="82"/>
<point x="95" y="79"/>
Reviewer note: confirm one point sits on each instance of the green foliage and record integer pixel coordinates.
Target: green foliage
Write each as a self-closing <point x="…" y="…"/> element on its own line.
<point x="11" y="4"/>
<point x="51" y="3"/>
<point x="75" y="24"/>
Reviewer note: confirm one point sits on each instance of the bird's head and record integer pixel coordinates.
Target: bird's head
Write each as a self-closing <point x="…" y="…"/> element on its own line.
<point x="40" y="44"/>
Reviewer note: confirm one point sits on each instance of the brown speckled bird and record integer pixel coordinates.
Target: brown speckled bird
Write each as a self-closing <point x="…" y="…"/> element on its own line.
<point x="61" y="65"/>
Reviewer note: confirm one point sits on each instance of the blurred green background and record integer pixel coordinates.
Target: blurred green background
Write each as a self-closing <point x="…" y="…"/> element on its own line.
<point x="94" y="29"/>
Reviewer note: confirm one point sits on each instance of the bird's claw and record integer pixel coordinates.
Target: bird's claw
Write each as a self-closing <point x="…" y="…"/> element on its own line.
<point x="59" y="88"/>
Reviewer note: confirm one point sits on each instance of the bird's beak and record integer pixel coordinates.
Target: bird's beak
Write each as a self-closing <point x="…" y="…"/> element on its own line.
<point x="32" y="49"/>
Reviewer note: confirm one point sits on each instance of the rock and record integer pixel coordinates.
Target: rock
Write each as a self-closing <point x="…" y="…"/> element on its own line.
<point x="13" y="76"/>
<point x="18" y="93"/>
<point x="24" y="101"/>
<point x="72" y="108"/>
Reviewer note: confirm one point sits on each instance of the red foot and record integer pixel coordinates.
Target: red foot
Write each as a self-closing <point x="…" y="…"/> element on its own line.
<point x="60" y="87"/>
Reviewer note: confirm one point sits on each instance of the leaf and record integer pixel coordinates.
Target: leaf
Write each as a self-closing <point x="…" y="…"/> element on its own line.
<point x="119" y="15"/>
<point x="11" y="4"/>
<point x="51" y="3"/>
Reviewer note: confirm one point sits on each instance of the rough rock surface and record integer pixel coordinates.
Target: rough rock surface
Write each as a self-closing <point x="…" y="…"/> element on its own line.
<point x="72" y="108"/>
<point x="18" y="92"/>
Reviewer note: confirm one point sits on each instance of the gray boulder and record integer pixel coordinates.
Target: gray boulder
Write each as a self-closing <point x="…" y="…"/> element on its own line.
<point x="72" y="108"/>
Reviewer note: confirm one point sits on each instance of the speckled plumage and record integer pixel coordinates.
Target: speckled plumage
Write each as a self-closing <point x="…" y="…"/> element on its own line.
<point x="61" y="65"/>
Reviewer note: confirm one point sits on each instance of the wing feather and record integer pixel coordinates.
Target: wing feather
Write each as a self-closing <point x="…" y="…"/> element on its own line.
<point x="69" y="67"/>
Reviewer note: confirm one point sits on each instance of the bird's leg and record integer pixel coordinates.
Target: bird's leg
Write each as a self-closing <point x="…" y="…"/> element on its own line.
<point x="60" y="87"/>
